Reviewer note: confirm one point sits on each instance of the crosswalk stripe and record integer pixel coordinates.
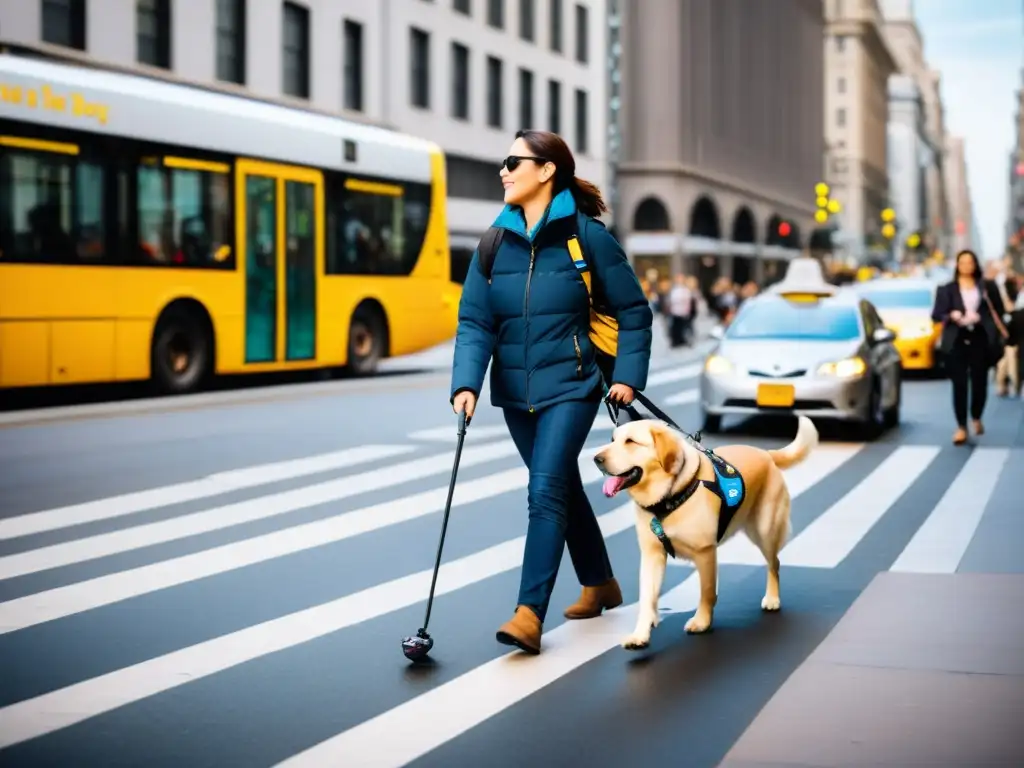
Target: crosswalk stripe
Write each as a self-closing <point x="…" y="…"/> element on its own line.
<point x="212" y="485"/>
<point x="449" y="710"/>
<point x="261" y="508"/>
<point x="66" y="706"/>
<point x="684" y="397"/>
<point x="832" y="536"/>
<point x="940" y="542"/>
<point x="672" y="375"/>
<point x="68" y="600"/>
<point x="473" y="432"/>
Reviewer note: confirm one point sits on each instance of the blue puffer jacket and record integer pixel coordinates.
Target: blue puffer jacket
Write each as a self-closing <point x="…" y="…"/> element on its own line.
<point x="534" y="315"/>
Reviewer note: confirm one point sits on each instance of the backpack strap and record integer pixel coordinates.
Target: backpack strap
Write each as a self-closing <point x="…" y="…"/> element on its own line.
<point x="577" y="252"/>
<point x="487" y="249"/>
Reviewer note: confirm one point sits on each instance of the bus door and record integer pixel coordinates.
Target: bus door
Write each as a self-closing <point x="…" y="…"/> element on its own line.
<point x="282" y="242"/>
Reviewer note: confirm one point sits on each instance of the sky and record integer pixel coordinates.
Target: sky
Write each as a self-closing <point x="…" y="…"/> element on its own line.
<point x="978" y="46"/>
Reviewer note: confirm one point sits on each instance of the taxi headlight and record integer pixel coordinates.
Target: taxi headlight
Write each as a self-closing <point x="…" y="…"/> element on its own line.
<point x="716" y="365"/>
<point x="850" y="368"/>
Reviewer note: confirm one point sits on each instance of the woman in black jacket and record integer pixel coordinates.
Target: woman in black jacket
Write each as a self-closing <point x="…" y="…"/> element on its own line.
<point x="969" y="307"/>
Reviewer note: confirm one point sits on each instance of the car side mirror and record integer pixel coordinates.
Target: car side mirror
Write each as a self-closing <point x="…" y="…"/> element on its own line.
<point x="882" y="335"/>
<point x="717" y="332"/>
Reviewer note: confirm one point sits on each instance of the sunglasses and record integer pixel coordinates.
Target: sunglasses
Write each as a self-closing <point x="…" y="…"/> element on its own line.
<point x="514" y="161"/>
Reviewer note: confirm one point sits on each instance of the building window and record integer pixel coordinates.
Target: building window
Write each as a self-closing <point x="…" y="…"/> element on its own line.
<point x="556" y="25"/>
<point x="184" y="215"/>
<point x="582" y="51"/>
<point x="841" y="85"/>
<point x="841" y="118"/>
<point x="51" y="208"/>
<point x="64" y="23"/>
<point x="526" y="22"/>
<point x="231" y="41"/>
<point x="494" y="95"/>
<point x="352" y="97"/>
<point x="525" y="99"/>
<point x="462" y="6"/>
<point x="419" y="68"/>
<point x="496" y="13"/>
<point x="554" y="106"/>
<point x="296" y="51"/>
<point x="581" y="121"/>
<point x="460" y="81"/>
<point x="840" y="43"/>
<point x="153" y="32"/>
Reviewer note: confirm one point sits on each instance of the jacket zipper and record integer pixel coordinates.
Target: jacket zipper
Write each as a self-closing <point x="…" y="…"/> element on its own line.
<point x="526" y="316"/>
<point x="579" y="355"/>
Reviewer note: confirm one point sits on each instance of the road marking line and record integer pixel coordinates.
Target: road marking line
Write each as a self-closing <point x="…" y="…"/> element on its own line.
<point x="823" y="461"/>
<point x="68" y="600"/>
<point x="445" y="712"/>
<point x="686" y="396"/>
<point x="66" y="706"/>
<point x="260" y="508"/>
<point x="682" y="373"/>
<point x="213" y="485"/>
<point x="448" y="433"/>
<point x="940" y="542"/>
<point x="832" y="536"/>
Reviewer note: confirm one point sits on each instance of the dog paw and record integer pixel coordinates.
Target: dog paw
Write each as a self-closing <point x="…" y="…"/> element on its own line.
<point x="698" y="624"/>
<point x="637" y="641"/>
<point x="770" y="603"/>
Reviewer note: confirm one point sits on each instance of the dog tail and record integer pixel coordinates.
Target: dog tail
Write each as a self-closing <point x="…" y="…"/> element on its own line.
<point x="806" y="440"/>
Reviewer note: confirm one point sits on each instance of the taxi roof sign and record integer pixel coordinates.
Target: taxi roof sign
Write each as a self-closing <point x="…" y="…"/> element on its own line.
<point x="804" y="282"/>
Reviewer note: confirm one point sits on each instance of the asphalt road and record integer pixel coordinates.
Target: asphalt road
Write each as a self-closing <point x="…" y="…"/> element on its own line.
<point x="224" y="580"/>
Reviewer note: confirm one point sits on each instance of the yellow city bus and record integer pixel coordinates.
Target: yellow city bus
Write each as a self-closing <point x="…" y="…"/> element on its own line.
<point x="154" y="229"/>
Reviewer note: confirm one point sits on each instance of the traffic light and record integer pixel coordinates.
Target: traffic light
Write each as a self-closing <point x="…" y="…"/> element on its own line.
<point x="784" y="229"/>
<point x="914" y="241"/>
<point x="825" y="204"/>
<point x="888" y="227"/>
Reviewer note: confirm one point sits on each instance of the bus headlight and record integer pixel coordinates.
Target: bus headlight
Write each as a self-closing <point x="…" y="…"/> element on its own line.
<point x="716" y="365"/>
<point x="850" y="368"/>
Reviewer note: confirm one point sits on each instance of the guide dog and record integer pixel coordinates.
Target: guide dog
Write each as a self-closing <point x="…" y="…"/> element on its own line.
<point x="688" y="502"/>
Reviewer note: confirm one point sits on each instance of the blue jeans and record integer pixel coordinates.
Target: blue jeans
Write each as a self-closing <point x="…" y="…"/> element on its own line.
<point x="549" y="442"/>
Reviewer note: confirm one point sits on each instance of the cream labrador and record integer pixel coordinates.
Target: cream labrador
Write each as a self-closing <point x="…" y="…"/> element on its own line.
<point x="689" y="502"/>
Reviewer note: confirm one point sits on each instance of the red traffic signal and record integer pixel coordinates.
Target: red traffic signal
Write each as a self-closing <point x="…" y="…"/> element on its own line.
<point x="784" y="229"/>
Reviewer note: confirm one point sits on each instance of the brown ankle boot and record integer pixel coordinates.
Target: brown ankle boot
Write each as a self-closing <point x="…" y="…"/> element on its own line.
<point x="523" y="631"/>
<point x="593" y="600"/>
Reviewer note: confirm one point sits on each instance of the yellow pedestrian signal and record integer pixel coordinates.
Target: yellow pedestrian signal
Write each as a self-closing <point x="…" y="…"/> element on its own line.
<point x="914" y="240"/>
<point x="821" y="189"/>
<point x="888" y="230"/>
<point x="822" y="202"/>
<point x="821" y="216"/>
<point x="888" y="214"/>
<point x="834" y="206"/>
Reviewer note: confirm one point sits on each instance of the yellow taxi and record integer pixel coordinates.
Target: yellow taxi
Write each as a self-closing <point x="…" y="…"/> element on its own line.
<point x="905" y="306"/>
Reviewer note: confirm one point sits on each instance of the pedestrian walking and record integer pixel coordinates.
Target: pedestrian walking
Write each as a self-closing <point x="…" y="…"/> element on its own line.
<point x="972" y="341"/>
<point x="531" y="321"/>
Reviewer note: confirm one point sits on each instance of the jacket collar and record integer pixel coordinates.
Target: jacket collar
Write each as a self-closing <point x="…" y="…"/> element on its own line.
<point x="511" y="217"/>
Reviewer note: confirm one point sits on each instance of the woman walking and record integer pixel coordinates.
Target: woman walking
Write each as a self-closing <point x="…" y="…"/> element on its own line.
<point x="972" y="338"/>
<point x="532" y="317"/>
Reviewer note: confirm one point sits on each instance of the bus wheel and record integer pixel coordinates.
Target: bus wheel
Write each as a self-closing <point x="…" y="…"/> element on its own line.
<point x="366" y="339"/>
<point x="182" y="356"/>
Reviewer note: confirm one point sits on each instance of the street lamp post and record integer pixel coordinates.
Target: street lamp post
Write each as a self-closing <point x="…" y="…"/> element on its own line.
<point x="614" y="106"/>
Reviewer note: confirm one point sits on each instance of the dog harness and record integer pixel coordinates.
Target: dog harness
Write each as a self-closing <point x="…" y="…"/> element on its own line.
<point x="728" y="486"/>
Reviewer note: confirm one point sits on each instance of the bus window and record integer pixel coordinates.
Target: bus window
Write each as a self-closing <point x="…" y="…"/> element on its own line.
<point x="184" y="211"/>
<point x="375" y="228"/>
<point x="51" y="205"/>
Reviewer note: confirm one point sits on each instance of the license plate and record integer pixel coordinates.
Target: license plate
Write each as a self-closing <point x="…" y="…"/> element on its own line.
<point x="775" y="395"/>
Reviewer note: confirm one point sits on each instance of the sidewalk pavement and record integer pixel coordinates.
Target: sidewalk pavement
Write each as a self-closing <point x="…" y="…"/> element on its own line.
<point x="922" y="670"/>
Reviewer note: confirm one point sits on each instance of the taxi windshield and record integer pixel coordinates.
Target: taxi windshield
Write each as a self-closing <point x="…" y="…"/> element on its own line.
<point x="907" y="299"/>
<point x="795" y="321"/>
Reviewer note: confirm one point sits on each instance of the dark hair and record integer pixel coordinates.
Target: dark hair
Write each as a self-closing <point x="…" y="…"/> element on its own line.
<point x="978" y="277"/>
<point x="552" y="148"/>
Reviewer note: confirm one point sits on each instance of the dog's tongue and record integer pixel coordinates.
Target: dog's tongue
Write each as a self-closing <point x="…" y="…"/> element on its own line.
<point x="612" y="485"/>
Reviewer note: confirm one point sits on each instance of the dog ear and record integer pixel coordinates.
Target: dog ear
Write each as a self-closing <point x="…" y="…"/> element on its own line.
<point x="666" y="447"/>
